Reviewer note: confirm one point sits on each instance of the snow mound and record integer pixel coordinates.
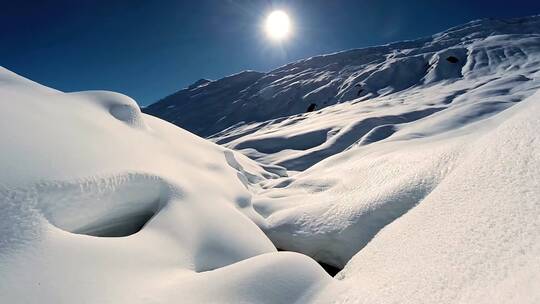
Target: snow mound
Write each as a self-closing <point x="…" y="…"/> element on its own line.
<point x="119" y="106"/>
<point x="103" y="204"/>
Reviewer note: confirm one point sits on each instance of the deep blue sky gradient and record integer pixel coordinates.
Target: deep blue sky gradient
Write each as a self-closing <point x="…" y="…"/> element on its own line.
<point x="150" y="49"/>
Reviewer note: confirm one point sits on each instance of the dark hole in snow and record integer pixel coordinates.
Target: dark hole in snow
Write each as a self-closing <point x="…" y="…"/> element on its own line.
<point x="452" y="59"/>
<point x="311" y="107"/>
<point x="331" y="270"/>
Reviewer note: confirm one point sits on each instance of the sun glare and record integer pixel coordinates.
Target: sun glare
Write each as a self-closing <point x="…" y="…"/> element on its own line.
<point x="278" y="25"/>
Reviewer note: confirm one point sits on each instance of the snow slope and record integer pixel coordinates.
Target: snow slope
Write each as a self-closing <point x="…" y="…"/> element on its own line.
<point x="475" y="238"/>
<point x="400" y="109"/>
<point x="102" y="204"/>
<point x="480" y="48"/>
<point x="420" y="175"/>
<point x="422" y="127"/>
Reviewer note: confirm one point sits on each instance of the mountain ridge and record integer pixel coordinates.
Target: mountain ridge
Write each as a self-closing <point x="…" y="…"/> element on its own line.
<point x="320" y="81"/>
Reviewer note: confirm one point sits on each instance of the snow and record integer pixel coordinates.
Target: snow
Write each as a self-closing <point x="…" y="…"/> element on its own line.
<point x="484" y="47"/>
<point x="417" y="173"/>
<point x="475" y="238"/>
<point x="82" y="173"/>
<point x="358" y="165"/>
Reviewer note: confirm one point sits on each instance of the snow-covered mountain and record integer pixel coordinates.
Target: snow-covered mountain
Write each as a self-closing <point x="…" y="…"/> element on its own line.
<point x="476" y="49"/>
<point x="413" y="166"/>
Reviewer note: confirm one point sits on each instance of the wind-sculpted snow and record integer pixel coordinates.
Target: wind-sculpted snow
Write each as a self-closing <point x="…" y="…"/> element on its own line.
<point x="103" y="204"/>
<point x="381" y="156"/>
<point x="390" y="126"/>
<point x="106" y="207"/>
<point x="498" y="72"/>
<point x="417" y="173"/>
<point x="475" y="238"/>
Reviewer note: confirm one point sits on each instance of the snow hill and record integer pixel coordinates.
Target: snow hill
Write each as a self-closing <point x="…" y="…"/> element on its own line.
<point x="417" y="171"/>
<point x="103" y="204"/>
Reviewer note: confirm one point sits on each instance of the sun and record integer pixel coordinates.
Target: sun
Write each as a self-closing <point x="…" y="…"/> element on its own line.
<point x="278" y="25"/>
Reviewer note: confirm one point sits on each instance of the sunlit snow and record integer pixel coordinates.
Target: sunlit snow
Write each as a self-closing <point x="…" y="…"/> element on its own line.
<point x="414" y="167"/>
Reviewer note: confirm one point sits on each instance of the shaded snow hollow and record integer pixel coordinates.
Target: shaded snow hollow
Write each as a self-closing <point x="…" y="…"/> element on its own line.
<point x="422" y="181"/>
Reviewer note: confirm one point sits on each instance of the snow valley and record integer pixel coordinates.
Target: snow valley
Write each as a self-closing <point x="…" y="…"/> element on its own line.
<point x="411" y="168"/>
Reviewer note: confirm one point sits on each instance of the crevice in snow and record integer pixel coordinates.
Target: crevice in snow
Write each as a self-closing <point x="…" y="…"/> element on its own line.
<point x="331" y="270"/>
<point x="245" y="177"/>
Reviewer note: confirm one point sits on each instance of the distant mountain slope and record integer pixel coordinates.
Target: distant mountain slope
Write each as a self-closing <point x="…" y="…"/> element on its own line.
<point x="202" y="105"/>
<point x="361" y="74"/>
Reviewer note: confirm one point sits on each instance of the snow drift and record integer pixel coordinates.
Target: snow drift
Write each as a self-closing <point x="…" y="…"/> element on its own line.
<point x="103" y="204"/>
<point x="388" y="106"/>
<point x="474" y="238"/>
<point x="418" y="173"/>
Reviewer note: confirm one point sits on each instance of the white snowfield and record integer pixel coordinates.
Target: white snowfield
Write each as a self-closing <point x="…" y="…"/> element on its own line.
<point x="80" y="173"/>
<point x="420" y="176"/>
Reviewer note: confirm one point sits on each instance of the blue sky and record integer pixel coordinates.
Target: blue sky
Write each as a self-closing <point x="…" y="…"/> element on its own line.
<point x="150" y="49"/>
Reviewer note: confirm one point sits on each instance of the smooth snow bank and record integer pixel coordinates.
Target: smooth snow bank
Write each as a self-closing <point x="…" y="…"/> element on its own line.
<point x="475" y="238"/>
<point x="102" y="204"/>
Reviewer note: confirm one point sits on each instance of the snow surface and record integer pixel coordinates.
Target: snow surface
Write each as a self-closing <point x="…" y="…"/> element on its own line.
<point x="475" y="238"/>
<point x="82" y="173"/>
<point x="417" y="173"/>
<point x="483" y="48"/>
<point x="396" y="120"/>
